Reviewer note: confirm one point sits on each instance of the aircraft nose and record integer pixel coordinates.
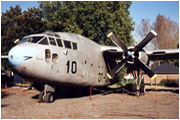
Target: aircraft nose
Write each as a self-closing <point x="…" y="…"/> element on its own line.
<point x="19" y="54"/>
<point x="15" y="56"/>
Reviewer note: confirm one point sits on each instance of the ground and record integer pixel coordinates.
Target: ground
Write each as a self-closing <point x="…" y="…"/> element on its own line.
<point x="19" y="104"/>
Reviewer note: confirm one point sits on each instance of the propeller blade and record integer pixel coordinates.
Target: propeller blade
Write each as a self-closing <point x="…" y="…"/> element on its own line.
<point x="129" y="69"/>
<point x="145" y="68"/>
<point x="116" y="41"/>
<point x="145" y="41"/>
<point x="116" y="69"/>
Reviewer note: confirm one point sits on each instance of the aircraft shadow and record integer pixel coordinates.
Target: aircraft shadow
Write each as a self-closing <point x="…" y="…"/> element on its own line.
<point x="76" y="92"/>
<point x="165" y="90"/>
<point x="4" y="95"/>
<point x="4" y="105"/>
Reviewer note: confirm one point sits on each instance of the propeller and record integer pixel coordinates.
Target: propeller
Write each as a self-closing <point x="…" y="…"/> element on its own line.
<point x="145" y="68"/>
<point x="117" y="41"/>
<point x="131" y="55"/>
<point x="145" y="41"/>
<point x="116" y="68"/>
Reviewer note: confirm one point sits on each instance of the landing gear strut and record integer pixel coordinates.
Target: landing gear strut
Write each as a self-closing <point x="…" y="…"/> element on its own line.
<point x="47" y="95"/>
<point x="138" y="76"/>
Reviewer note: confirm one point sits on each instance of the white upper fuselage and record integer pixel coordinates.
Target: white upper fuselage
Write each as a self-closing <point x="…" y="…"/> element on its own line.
<point x="60" y="59"/>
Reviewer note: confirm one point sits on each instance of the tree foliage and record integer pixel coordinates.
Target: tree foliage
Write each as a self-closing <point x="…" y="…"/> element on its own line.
<point x="16" y="24"/>
<point x="167" y="33"/>
<point x="143" y="28"/>
<point x="91" y="19"/>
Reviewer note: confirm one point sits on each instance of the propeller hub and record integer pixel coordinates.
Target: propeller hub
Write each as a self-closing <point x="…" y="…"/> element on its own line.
<point x="130" y="55"/>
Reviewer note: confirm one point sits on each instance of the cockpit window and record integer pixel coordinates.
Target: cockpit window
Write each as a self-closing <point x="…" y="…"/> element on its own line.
<point x="25" y="39"/>
<point x="52" y="41"/>
<point x="36" y="39"/>
<point x="44" y="41"/>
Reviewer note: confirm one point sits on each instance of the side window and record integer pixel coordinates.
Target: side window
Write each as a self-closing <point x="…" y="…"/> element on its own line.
<point x="52" y="41"/>
<point x="44" y="41"/>
<point x="55" y="58"/>
<point x="67" y="44"/>
<point x="74" y="46"/>
<point x="59" y="42"/>
<point x="47" y="55"/>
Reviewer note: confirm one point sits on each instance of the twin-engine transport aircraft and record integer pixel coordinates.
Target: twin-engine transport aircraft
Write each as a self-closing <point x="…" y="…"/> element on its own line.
<point x="66" y="59"/>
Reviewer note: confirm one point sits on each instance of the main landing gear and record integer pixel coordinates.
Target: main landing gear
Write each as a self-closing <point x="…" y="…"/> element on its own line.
<point x="138" y="76"/>
<point x="47" y="95"/>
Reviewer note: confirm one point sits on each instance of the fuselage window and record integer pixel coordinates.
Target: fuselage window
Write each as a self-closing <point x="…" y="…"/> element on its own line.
<point x="67" y="44"/>
<point x="47" y="55"/>
<point x="54" y="58"/>
<point x="52" y="41"/>
<point x="44" y="41"/>
<point x="36" y="39"/>
<point x="74" y="46"/>
<point x="59" y="42"/>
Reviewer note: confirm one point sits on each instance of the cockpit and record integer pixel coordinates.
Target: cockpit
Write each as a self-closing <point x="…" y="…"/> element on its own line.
<point x="50" y="39"/>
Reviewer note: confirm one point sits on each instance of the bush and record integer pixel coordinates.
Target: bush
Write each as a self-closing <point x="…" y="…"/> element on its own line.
<point x="170" y="83"/>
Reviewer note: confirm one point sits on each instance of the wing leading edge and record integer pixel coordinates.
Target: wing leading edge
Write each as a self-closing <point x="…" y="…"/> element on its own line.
<point x="163" y="54"/>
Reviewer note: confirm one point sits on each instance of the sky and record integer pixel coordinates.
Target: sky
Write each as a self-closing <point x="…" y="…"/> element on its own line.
<point x="138" y="9"/>
<point x="150" y="9"/>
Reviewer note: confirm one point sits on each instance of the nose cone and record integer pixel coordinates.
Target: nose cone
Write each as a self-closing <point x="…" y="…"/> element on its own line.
<point x="15" y="56"/>
<point x="20" y="54"/>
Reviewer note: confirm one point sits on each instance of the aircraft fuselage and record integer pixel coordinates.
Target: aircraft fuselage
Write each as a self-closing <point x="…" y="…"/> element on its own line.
<point x="60" y="59"/>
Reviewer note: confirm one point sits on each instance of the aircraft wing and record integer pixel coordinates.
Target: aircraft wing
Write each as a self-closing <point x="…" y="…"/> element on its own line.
<point x="112" y="52"/>
<point x="163" y="54"/>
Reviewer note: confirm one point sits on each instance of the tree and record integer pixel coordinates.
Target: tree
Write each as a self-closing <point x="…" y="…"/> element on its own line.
<point x="143" y="28"/>
<point x="16" y="24"/>
<point x="167" y="33"/>
<point x="9" y="27"/>
<point x="91" y="19"/>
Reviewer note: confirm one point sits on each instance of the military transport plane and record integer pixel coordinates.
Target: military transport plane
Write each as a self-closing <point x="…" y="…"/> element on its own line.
<point x="65" y="59"/>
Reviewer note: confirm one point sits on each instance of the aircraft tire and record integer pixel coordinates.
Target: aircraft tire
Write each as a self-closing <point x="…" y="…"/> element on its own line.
<point x="41" y="96"/>
<point x="49" y="97"/>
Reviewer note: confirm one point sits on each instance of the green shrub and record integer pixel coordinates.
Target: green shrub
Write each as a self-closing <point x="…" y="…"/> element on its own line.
<point x="170" y="82"/>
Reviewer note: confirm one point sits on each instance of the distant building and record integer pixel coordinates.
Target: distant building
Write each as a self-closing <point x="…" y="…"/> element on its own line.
<point x="164" y="71"/>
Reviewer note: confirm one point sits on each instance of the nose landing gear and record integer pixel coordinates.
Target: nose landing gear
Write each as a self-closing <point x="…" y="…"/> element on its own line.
<point x="47" y="95"/>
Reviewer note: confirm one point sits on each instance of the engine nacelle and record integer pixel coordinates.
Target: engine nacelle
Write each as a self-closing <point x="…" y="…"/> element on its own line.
<point x="143" y="57"/>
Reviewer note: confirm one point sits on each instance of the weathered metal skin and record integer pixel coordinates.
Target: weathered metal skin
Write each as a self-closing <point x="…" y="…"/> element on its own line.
<point x="82" y="67"/>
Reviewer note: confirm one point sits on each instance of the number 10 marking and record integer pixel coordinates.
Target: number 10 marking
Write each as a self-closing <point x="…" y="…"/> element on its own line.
<point x="73" y="67"/>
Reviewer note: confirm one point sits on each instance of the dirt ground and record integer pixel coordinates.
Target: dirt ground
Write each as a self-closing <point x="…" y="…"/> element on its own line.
<point x="19" y="104"/>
